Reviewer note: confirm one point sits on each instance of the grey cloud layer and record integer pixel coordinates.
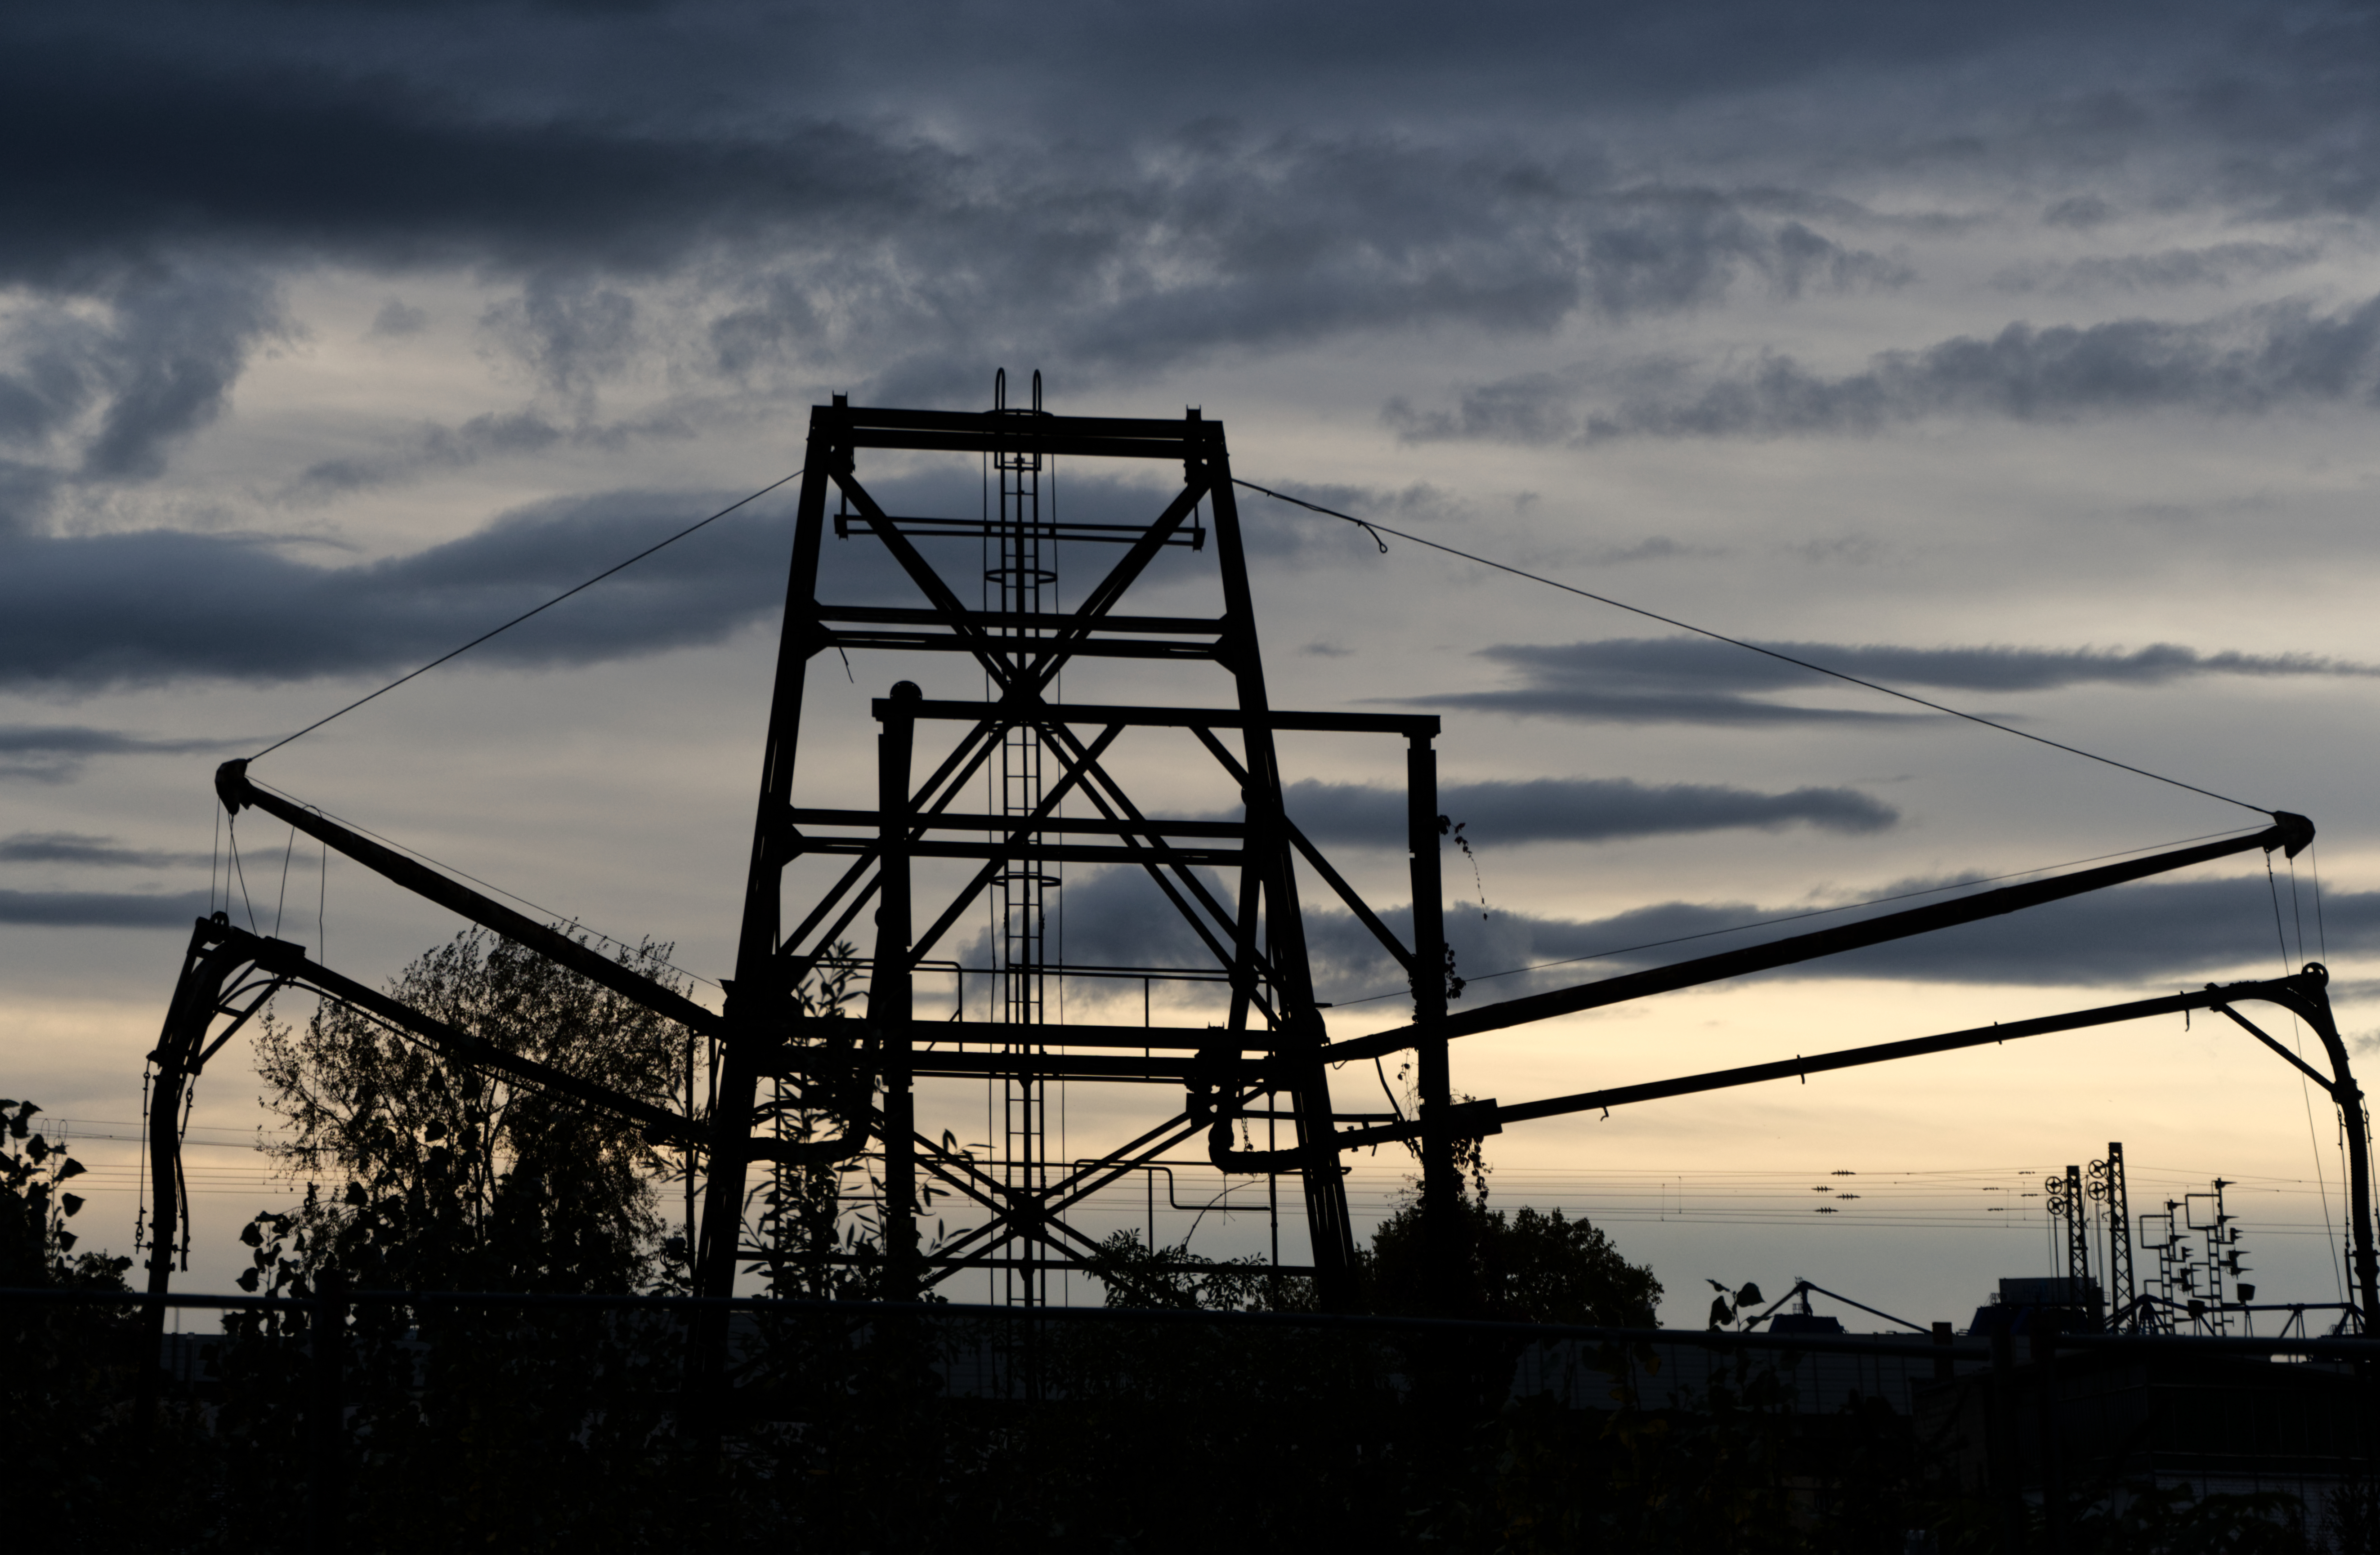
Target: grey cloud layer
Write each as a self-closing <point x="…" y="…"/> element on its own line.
<point x="73" y="847"/>
<point x="1577" y="809"/>
<point x="2218" y="264"/>
<point x="2150" y="934"/>
<point x="2153" y="936"/>
<point x="56" y="752"/>
<point x="635" y="172"/>
<point x="1696" y="680"/>
<point x="859" y="231"/>
<point x="101" y="909"/>
<point x="2251" y="363"/>
<point x="121" y="389"/>
<point x="87" y="612"/>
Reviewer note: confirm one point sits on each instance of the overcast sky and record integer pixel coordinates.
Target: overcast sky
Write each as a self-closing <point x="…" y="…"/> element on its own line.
<point x="2022" y="357"/>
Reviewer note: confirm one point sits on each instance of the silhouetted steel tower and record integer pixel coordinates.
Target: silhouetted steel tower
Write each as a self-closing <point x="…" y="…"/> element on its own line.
<point x="917" y="863"/>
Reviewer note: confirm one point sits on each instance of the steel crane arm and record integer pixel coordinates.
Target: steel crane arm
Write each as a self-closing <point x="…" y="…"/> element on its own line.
<point x="1491" y="1117"/>
<point x="237" y="791"/>
<point x="2288" y="831"/>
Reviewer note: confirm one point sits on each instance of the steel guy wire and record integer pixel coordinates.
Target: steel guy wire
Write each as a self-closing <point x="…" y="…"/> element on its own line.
<point x="1377" y="529"/>
<point x="549" y="912"/>
<point x="282" y="901"/>
<point x="2296" y="1039"/>
<point x="525" y="615"/>
<point x="231" y="825"/>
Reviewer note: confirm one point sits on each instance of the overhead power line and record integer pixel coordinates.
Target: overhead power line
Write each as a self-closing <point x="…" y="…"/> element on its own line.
<point x="1377" y="529"/>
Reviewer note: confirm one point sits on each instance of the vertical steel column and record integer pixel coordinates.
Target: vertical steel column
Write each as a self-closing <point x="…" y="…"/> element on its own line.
<point x="1442" y="1229"/>
<point x="207" y="969"/>
<point x="889" y="995"/>
<point x="1333" y="1236"/>
<point x="760" y="999"/>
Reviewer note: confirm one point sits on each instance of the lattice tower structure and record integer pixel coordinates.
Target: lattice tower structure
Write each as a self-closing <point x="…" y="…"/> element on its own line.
<point x="908" y="872"/>
<point x="2106" y="1187"/>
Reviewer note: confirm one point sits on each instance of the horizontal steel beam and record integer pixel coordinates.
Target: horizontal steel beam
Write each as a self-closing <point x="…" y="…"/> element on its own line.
<point x="889" y="640"/>
<point x="1073" y="1067"/>
<point x="907" y="615"/>
<point x="1010" y="429"/>
<point x="929" y="1035"/>
<point x="1025" y="853"/>
<point x="1413" y="726"/>
<point x="949" y="821"/>
<point x="979" y="443"/>
<point x="992" y="529"/>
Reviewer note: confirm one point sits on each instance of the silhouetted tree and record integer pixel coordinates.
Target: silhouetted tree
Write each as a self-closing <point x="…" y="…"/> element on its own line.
<point x="1528" y="1266"/>
<point x="459" y="1177"/>
<point x="794" y="1212"/>
<point x="36" y="1248"/>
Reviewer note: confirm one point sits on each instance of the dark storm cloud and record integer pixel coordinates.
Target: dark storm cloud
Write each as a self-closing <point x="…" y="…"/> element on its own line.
<point x="93" y="611"/>
<point x="112" y="154"/>
<point x="1577" y="809"/>
<point x="1696" y="680"/>
<point x="2250" y="362"/>
<point x="56" y="752"/>
<point x="1231" y="241"/>
<point x="73" y="847"/>
<point x="101" y="909"/>
<point x="1115" y="68"/>
<point x="623" y="138"/>
<point x="158" y="367"/>
<point x="924" y="216"/>
<point x="86" y="612"/>
<point x="858" y="242"/>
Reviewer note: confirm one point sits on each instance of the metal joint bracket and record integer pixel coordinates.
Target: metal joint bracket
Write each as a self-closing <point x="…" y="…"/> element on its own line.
<point x="1464" y="1120"/>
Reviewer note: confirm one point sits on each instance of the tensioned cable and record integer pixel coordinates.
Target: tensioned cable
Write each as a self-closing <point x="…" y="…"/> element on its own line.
<point x="2296" y="1037"/>
<point x="1738" y="642"/>
<point x="1796" y="918"/>
<point x="485" y="885"/>
<point x="524" y="615"/>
